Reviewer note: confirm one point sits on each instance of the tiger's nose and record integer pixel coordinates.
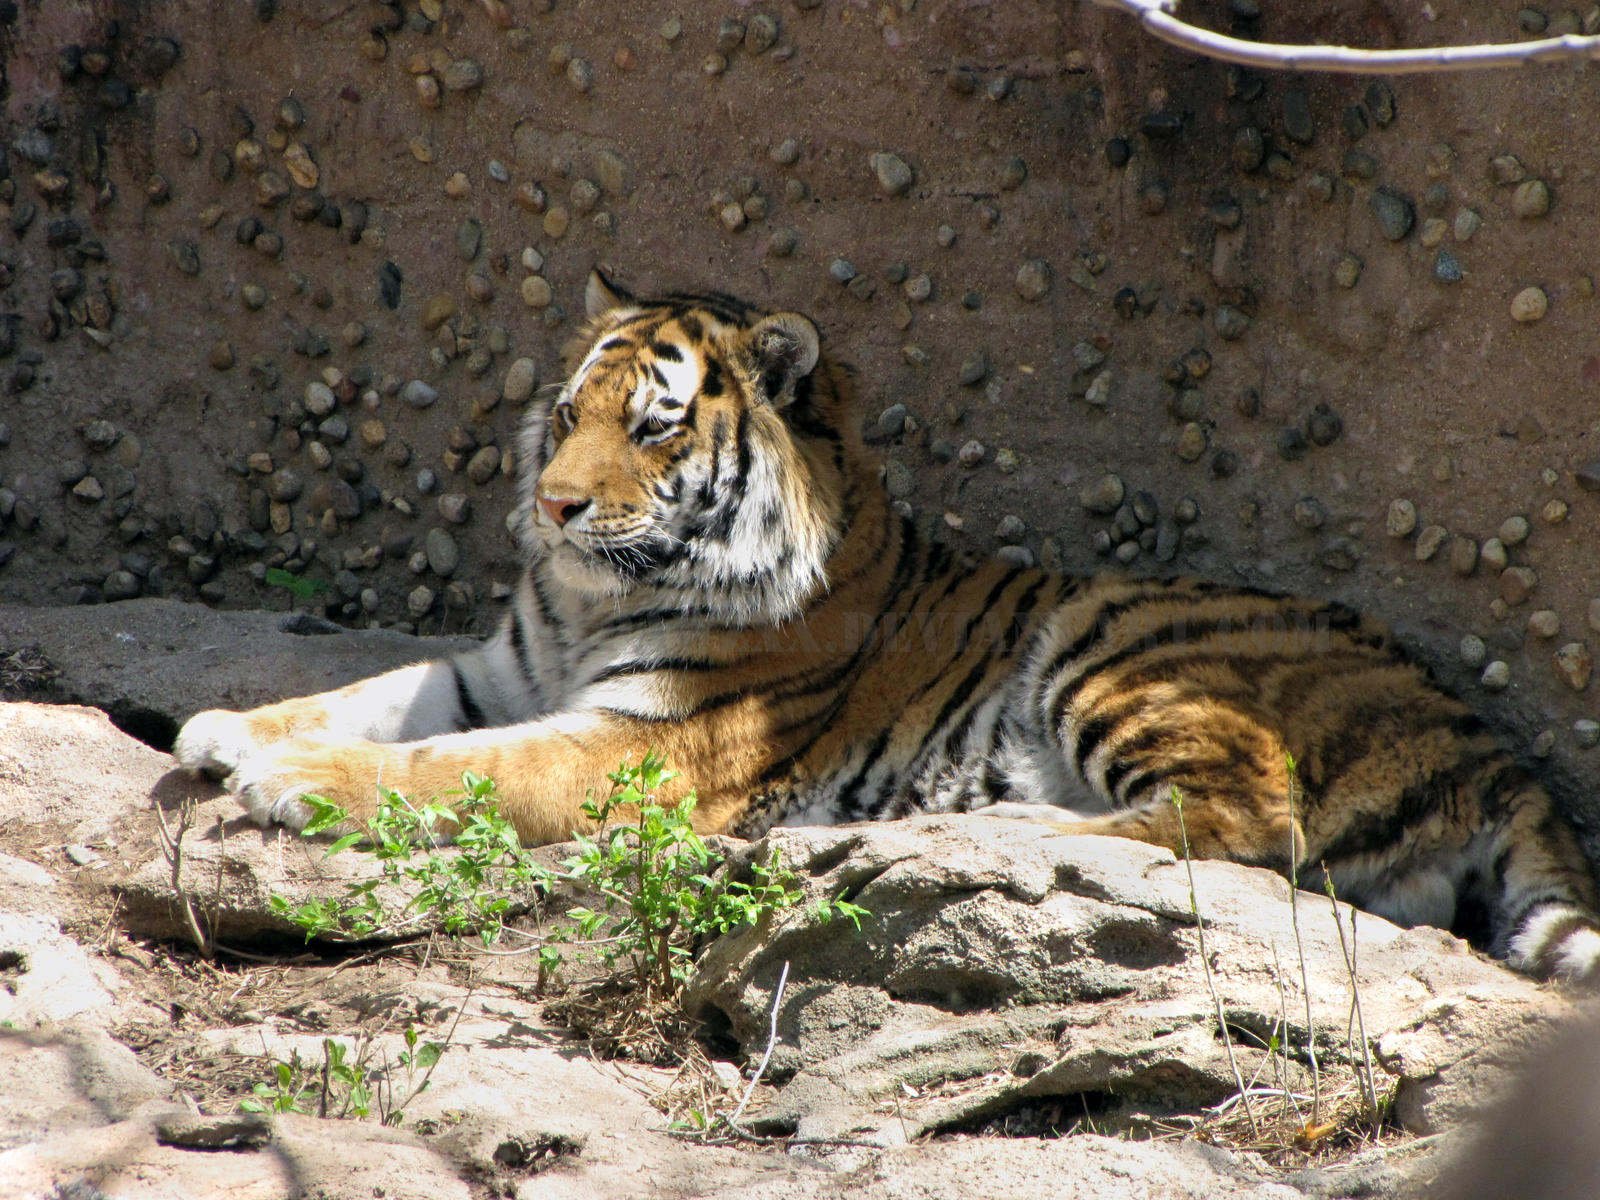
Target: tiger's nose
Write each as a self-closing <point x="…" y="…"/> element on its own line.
<point x="560" y="509"/>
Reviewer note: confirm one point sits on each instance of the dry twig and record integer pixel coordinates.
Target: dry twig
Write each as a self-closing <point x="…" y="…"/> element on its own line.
<point x="1158" y="20"/>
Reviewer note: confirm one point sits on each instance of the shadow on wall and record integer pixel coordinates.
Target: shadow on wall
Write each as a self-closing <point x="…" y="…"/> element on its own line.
<point x="1540" y="1141"/>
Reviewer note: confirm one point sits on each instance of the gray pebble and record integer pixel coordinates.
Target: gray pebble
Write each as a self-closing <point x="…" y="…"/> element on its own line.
<point x="894" y="176"/>
<point x="1394" y="212"/>
<point x="418" y="394"/>
<point x="1145" y="508"/>
<point x="455" y="507"/>
<point x="841" y="270"/>
<point x="972" y="371"/>
<point x="1127" y="552"/>
<point x="1100" y="542"/>
<point x="1543" y="743"/>
<point x="463" y="74"/>
<point x="1531" y="198"/>
<point x="786" y="153"/>
<point x="521" y="378"/>
<point x="1463" y="555"/>
<point x="1015" y="556"/>
<point x="469" y="239"/>
<point x="1347" y="271"/>
<point x="1340" y="554"/>
<point x="1493" y="554"/>
<point x="1011" y="529"/>
<point x="971" y="453"/>
<point x="1430" y="541"/>
<point x="426" y="480"/>
<point x="919" y="288"/>
<point x="1594" y="614"/>
<point x="1588" y="476"/>
<point x="1103" y="496"/>
<point x="443" y="554"/>
<point x="1446" y="267"/>
<point x="1473" y="651"/>
<point x="1192" y="441"/>
<point x="1231" y="323"/>
<point x="1033" y="279"/>
<point x="1309" y="513"/>
<point x="898" y="481"/>
<point x="1297" y="121"/>
<point x="1544" y="623"/>
<point x="284" y="485"/>
<point x="946" y="236"/>
<point x="1513" y="531"/>
<point x="1402" y="518"/>
<point x="1324" y="426"/>
<point x="1496" y="676"/>
<point x="1123" y="523"/>
<point x="1586" y="732"/>
<point x="420" y="601"/>
<point x="891" y="421"/>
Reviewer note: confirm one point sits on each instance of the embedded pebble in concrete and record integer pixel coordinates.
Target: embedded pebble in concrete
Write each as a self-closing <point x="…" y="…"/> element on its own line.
<point x="1529" y="305"/>
<point x="971" y="453"/>
<point x="1033" y="279"/>
<point x="1347" y="271"/>
<point x="1473" y="651"/>
<point x="1430" y="541"/>
<point x="1104" y="496"/>
<point x="1543" y="743"/>
<point x="1394" y="212"/>
<point x="894" y="175"/>
<point x="1463" y="555"/>
<point x="1544" y="623"/>
<point x="418" y="394"/>
<point x="1531" y="198"/>
<point x="1594" y="614"/>
<point x="1574" y="665"/>
<point x="1586" y="732"/>
<point x="1494" y="554"/>
<point x="1402" y="518"/>
<point x="1513" y="531"/>
<point x="1496" y="676"/>
<point x="1192" y="441"/>
<point x="442" y="552"/>
<point x="1554" y="512"/>
<point x="521" y="378"/>
<point x="1308" y="513"/>
<point x="1516" y="583"/>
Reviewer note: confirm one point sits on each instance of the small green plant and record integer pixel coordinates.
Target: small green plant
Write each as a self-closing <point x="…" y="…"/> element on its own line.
<point x="343" y="1085"/>
<point x="472" y="889"/>
<point x="654" y="877"/>
<point x="298" y="586"/>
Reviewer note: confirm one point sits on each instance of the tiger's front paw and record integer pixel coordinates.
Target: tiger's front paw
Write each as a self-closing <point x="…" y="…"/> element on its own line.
<point x="272" y="784"/>
<point x="214" y="743"/>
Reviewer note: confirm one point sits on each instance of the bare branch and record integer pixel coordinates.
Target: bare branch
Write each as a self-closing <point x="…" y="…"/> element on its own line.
<point x="1158" y="19"/>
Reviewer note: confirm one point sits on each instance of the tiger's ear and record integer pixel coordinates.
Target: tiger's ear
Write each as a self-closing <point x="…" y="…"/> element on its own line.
<point x="783" y="349"/>
<point x="600" y="295"/>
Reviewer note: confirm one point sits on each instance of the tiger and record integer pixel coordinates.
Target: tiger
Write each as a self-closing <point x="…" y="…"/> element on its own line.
<point x="713" y="572"/>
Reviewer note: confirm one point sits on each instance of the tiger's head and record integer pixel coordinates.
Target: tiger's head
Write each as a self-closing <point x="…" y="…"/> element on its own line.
<point x="698" y="448"/>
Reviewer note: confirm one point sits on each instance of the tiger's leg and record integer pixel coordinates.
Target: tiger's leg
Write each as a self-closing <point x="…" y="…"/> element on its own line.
<point x="543" y="770"/>
<point x="482" y="687"/>
<point x="1258" y="834"/>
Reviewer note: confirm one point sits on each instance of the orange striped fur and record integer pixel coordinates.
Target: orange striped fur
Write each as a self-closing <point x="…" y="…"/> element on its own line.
<point x="715" y="573"/>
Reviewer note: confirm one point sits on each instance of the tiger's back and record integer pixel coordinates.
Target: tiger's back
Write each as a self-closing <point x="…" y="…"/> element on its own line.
<point x="714" y="571"/>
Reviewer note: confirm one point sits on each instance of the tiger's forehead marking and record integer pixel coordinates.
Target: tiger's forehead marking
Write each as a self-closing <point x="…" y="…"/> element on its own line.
<point x="654" y="361"/>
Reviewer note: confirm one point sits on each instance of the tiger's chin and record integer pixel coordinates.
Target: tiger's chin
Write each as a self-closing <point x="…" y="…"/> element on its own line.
<point x="586" y="574"/>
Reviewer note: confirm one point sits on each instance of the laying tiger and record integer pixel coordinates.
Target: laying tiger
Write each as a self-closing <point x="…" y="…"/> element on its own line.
<point x="714" y="571"/>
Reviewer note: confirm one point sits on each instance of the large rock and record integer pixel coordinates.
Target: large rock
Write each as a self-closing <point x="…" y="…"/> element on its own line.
<point x="1003" y="964"/>
<point x="152" y="663"/>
